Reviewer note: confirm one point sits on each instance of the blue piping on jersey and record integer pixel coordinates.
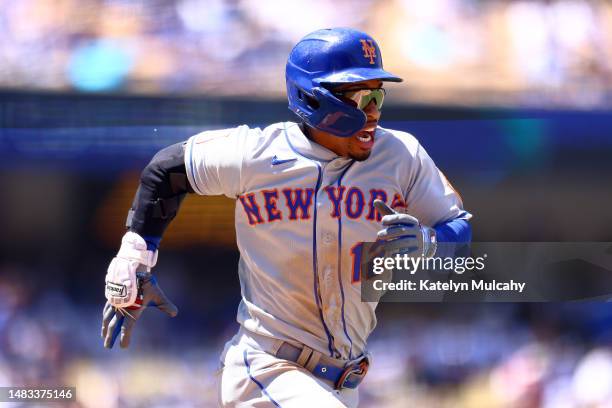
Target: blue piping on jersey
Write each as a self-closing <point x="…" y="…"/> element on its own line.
<point x="340" y="267"/>
<point x="260" y="385"/>
<point x="315" y="267"/>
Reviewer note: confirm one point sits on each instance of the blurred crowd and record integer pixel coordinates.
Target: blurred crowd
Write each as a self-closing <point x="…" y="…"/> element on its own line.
<point x="493" y="355"/>
<point x="516" y="53"/>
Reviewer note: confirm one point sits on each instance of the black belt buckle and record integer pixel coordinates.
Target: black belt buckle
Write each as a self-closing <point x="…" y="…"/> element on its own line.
<point x="353" y="374"/>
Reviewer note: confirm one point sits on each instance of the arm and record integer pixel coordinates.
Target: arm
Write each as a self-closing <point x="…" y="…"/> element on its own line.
<point x="130" y="287"/>
<point x="457" y="230"/>
<point x="434" y="213"/>
<point x="209" y="163"/>
<point x="163" y="186"/>
<point x="453" y="237"/>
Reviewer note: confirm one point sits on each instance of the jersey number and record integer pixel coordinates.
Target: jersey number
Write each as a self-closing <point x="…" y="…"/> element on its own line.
<point x="356" y="251"/>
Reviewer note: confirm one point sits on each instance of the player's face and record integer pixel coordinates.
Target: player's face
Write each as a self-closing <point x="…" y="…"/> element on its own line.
<point x="358" y="146"/>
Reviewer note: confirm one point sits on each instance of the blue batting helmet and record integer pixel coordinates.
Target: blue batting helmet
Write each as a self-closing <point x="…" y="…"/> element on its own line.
<point x="326" y="58"/>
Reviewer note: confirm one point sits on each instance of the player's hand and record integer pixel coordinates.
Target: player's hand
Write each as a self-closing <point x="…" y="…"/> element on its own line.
<point x="120" y="321"/>
<point x="121" y="289"/>
<point x="130" y="288"/>
<point x="404" y="234"/>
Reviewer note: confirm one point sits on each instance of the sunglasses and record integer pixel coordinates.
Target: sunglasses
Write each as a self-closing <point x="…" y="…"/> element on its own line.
<point x="361" y="98"/>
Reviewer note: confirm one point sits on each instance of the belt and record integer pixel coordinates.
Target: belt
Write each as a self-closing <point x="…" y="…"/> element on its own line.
<point x="340" y="373"/>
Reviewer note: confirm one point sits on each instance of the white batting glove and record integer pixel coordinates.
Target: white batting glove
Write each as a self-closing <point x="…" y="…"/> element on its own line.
<point x="130" y="289"/>
<point x="121" y="282"/>
<point x="404" y="234"/>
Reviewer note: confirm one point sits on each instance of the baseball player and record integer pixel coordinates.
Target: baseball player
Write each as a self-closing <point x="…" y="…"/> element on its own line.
<point x="307" y="195"/>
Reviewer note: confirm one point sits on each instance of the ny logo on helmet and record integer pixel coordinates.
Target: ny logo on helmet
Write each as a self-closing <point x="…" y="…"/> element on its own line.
<point x="369" y="50"/>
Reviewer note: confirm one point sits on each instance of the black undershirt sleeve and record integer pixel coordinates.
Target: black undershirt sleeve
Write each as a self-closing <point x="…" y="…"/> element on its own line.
<point x="163" y="186"/>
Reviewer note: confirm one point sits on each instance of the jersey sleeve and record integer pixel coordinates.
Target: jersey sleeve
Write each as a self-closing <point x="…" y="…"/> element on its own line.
<point x="214" y="161"/>
<point x="431" y="198"/>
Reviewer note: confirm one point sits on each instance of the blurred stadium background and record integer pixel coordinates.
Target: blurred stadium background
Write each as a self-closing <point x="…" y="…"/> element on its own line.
<point x="511" y="98"/>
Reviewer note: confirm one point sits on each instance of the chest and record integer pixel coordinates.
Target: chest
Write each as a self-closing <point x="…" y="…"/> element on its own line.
<point x="298" y="191"/>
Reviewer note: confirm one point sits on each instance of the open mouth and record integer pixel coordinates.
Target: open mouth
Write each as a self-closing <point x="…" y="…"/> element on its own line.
<point x="365" y="137"/>
<point x="365" y="140"/>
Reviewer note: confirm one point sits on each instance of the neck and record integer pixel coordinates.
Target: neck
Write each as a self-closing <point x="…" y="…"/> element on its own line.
<point x="318" y="136"/>
<point x="305" y="130"/>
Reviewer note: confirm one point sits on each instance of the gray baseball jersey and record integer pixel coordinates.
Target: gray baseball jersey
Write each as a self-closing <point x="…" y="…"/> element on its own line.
<point x="301" y="215"/>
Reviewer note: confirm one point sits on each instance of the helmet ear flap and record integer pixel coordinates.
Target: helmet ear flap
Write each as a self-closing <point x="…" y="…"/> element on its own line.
<point x="335" y="116"/>
<point x="324" y="111"/>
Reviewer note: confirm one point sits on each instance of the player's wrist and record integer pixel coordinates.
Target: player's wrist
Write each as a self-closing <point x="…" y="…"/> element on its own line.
<point x="430" y="243"/>
<point x="135" y="248"/>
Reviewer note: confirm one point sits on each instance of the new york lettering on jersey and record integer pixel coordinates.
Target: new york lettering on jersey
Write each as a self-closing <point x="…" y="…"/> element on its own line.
<point x="295" y="204"/>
